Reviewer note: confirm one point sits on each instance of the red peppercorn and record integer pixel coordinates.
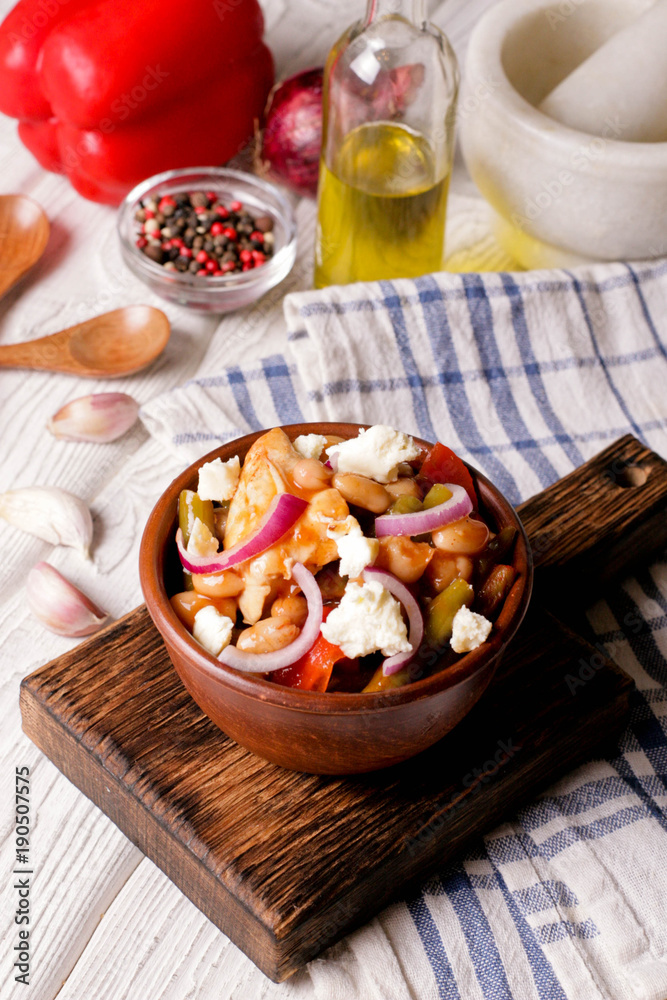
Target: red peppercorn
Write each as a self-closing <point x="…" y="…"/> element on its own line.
<point x="211" y="195"/>
<point x="248" y="266"/>
<point x="216" y="273"/>
<point x="221" y="211"/>
<point x="228" y="265"/>
<point x="211" y="265"/>
<point x="166" y="200"/>
<point x="258" y="256"/>
<point x="185" y="251"/>
<point x="201" y="257"/>
<point x="200" y="209"/>
<point x="149" y="214"/>
<point x="246" y="256"/>
<point x="202" y="270"/>
<point x="256" y="235"/>
<point x="230" y="233"/>
<point x="142" y="242"/>
<point x="236" y="206"/>
<point x="216" y="229"/>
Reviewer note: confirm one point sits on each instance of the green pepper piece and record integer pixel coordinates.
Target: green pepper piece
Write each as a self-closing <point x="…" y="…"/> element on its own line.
<point x="494" y="590"/>
<point x="497" y="549"/>
<point x="443" y="608"/>
<point x="379" y="682"/>
<point x="436" y="495"/>
<point x="190" y="507"/>
<point x="405" y="505"/>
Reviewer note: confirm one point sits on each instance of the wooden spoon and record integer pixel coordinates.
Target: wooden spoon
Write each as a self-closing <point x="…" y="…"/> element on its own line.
<point x="24" y="233"/>
<point x="116" y="343"/>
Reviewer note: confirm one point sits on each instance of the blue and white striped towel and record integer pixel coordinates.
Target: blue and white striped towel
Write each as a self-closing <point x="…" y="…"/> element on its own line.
<point x="526" y="376"/>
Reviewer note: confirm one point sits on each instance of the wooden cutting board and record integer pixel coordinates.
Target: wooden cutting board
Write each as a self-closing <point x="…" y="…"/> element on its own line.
<point x="286" y="863"/>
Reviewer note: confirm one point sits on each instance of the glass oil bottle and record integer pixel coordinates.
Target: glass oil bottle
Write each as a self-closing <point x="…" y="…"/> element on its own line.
<point x="389" y="102"/>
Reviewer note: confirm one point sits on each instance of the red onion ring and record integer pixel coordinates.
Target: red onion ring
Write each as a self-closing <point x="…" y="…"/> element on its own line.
<point x="262" y="663"/>
<point x="415" y="621"/>
<point x="283" y="511"/>
<point x="459" y="505"/>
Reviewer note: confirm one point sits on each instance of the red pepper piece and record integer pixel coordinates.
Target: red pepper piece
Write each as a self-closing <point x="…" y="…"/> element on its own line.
<point x="313" y="671"/>
<point x="105" y="167"/>
<point x="160" y="49"/>
<point x="442" y="465"/>
<point x="41" y="138"/>
<point x="158" y="102"/>
<point x="22" y="35"/>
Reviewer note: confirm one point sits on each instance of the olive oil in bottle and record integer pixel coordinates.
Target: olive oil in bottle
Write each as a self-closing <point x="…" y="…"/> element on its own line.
<point x="381" y="207"/>
<point x="389" y="108"/>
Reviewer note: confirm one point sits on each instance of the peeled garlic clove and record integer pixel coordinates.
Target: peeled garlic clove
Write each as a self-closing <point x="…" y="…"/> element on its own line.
<point x="59" y="605"/>
<point x="50" y="513"/>
<point x="102" y="417"/>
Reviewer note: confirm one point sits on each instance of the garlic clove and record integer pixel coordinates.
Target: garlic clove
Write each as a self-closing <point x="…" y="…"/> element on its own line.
<point x="50" y="513"/>
<point x="59" y="605"/>
<point x="102" y="417"/>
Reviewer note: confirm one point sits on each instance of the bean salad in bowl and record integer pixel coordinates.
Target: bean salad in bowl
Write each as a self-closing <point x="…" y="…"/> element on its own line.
<point x="354" y="565"/>
<point x="310" y="616"/>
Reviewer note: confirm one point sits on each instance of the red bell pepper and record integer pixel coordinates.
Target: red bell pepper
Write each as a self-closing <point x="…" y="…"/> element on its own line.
<point x="442" y="465"/>
<point x="313" y="671"/>
<point x="112" y="91"/>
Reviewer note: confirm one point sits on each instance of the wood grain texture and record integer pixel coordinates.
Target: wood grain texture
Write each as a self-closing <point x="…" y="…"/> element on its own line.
<point x="120" y="342"/>
<point x="606" y="517"/>
<point x="24" y="233"/>
<point x="235" y="832"/>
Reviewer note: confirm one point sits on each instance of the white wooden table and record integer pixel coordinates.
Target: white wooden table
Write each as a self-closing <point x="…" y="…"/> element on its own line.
<point x="106" y="923"/>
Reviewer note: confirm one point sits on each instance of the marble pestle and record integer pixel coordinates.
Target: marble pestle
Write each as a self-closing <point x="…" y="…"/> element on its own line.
<point x="620" y="91"/>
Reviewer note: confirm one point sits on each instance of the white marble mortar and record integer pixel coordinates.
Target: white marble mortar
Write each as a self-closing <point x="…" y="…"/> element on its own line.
<point x="562" y="196"/>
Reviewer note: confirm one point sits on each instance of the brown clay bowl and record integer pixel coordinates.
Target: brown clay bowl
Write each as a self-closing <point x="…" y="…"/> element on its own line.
<point x="335" y="733"/>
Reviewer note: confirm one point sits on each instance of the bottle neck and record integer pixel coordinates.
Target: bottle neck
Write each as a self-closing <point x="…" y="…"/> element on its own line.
<point x="412" y="10"/>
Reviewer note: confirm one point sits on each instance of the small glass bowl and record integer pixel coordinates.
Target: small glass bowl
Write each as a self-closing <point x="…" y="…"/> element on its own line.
<point x="226" y="292"/>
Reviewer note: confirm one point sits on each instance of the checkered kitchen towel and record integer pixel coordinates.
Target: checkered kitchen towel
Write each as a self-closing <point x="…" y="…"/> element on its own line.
<point x="526" y="376"/>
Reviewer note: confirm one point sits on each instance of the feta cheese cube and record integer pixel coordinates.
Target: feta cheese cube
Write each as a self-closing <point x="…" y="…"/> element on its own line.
<point x="212" y="629"/>
<point x="218" y="480"/>
<point x="368" y="618"/>
<point x="469" y="630"/>
<point x="375" y="453"/>
<point x="201" y="542"/>
<point x="356" y="552"/>
<point x="310" y="445"/>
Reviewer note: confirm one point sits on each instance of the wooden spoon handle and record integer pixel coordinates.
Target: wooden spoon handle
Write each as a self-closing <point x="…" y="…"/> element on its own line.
<point x="44" y="353"/>
<point x="596" y="524"/>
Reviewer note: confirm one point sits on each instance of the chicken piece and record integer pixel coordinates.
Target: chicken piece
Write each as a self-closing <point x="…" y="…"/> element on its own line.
<point x="267" y="471"/>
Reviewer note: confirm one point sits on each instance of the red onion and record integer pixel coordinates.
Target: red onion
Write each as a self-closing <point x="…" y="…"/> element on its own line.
<point x="292" y="137"/>
<point x="262" y="663"/>
<point x="459" y="505"/>
<point x="283" y="511"/>
<point x="415" y="621"/>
